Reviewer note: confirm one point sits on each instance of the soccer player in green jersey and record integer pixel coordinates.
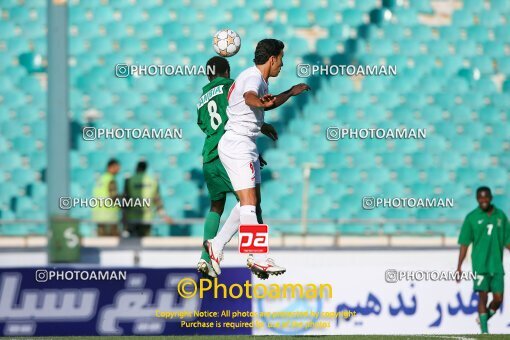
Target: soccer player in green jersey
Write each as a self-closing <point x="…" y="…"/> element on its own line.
<point x="488" y="229"/>
<point x="212" y="116"/>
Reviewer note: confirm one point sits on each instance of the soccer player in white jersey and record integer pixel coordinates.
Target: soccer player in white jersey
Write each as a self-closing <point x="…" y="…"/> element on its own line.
<point x="248" y="98"/>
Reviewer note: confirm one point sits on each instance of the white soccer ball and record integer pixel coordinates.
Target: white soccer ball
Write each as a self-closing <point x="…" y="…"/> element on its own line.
<point x="226" y="43"/>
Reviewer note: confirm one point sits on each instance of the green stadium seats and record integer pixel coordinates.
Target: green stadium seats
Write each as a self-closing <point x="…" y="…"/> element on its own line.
<point x="352" y="229"/>
<point x="492" y="145"/>
<point x="494" y="49"/>
<point x="463" y="144"/>
<point x="479" y="160"/>
<point x="352" y="16"/>
<point x="503" y="65"/>
<point x="326" y="46"/>
<point x="466" y="48"/>
<point x="444" y="100"/>
<point x="375" y="113"/>
<point x="321" y="228"/>
<point x="381" y="47"/>
<point x="23" y="177"/>
<point x="405" y="17"/>
<point x="288" y="174"/>
<point x="448" y="34"/>
<point x="103" y="14"/>
<point x="365" y="188"/>
<point x="283" y="5"/>
<point x="393" y="189"/>
<point x="462" y="18"/>
<point x="23" y="203"/>
<point x="420" y="6"/>
<point x="363" y="160"/>
<point x="407" y="174"/>
<point x="496" y="176"/>
<point x="501" y="33"/>
<point x="327" y="17"/>
<point x="24" y="145"/>
<point x="394" y="32"/>
<point x="445" y="84"/>
<point x="467" y="175"/>
<point x="491" y="18"/>
<point x="297" y="16"/>
<point x="478" y="33"/>
<point x="437" y="176"/>
<point x="380" y="16"/>
<point x="473" y="5"/>
<point x="439" y="48"/>
<point x="388" y="99"/>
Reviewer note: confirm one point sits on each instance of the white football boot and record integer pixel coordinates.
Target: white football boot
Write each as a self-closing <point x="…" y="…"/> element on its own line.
<point x="264" y="268"/>
<point x="215" y="254"/>
<point x="206" y="269"/>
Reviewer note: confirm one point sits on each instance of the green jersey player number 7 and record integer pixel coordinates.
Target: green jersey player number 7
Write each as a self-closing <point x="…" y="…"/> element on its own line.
<point x="212" y="116"/>
<point x="488" y="230"/>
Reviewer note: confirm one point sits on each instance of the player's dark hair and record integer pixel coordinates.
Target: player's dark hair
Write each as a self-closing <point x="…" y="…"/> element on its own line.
<point x="112" y="161"/>
<point x="484" y="189"/>
<point x="266" y="49"/>
<point x="217" y="67"/>
<point x="141" y="166"/>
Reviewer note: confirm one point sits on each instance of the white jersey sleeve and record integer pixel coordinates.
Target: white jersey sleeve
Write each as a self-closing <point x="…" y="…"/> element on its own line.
<point x="243" y="119"/>
<point x="252" y="83"/>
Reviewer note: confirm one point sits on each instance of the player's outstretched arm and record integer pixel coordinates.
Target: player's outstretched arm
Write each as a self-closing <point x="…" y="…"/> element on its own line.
<point x="251" y="99"/>
<point x="284" y="96"/>
<point x="462" y="256"/>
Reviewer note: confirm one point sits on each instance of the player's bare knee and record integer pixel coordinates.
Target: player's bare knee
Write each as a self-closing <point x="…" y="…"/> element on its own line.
<point x="247" y="196"/>
<point x="497" y="298"/>
<point x="218" y="206"/>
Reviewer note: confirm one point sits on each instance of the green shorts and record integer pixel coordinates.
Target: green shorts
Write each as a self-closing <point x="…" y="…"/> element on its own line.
<point x="490" y="283"/>
<point x="217" y="180"/>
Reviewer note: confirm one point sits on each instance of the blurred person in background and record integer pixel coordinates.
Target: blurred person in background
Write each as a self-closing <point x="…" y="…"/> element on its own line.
<point x="107" y="218"/>
<point x="140" y="186"/>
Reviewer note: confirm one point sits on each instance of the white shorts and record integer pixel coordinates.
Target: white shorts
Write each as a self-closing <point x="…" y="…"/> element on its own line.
<point x="240" y="157"/>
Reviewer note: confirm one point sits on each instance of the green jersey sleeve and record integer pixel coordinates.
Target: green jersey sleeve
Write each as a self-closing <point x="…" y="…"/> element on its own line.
<point x="466" y="233"/>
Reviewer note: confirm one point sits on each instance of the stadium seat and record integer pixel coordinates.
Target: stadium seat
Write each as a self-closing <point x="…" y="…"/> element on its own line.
<point x="353" y="16"/>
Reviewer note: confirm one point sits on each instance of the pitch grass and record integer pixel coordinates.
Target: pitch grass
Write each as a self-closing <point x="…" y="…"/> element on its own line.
<point x="273" y="337"/>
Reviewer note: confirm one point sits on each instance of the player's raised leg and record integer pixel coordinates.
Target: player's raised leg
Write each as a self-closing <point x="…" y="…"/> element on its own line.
<point x="497" y="300"/>
<point x="211" y="226"/>
<point x="260" y="264"/>
<point x="214" y="246"/>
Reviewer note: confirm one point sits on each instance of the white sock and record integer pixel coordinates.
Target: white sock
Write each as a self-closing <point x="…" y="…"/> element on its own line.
<point x="229" y="228"/>
<point x="248" y="215"/>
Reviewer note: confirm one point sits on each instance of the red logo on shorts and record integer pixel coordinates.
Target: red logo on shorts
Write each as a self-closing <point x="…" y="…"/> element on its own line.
<point x="253" y="238"/>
